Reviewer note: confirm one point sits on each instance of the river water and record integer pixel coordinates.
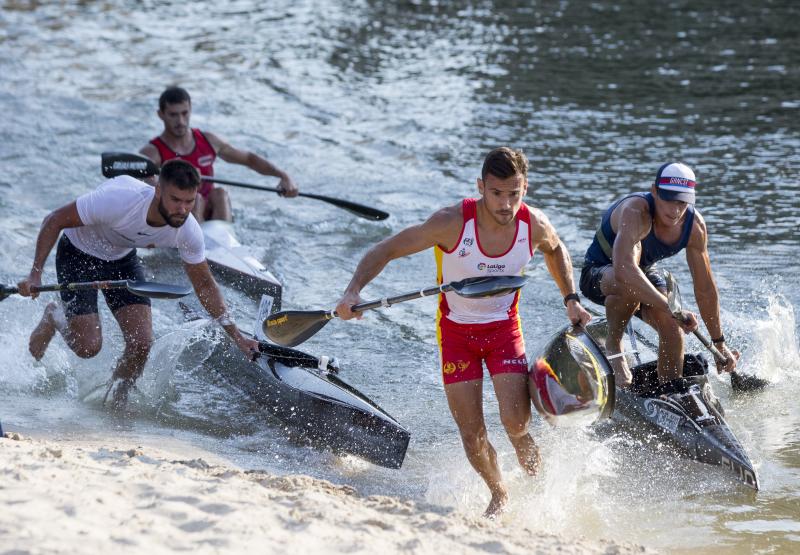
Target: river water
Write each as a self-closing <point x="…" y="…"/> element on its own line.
<point x="394" y="104"/>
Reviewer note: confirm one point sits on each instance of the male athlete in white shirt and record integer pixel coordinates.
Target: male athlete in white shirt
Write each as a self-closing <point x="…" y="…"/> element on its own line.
<point x="101" y="232"/>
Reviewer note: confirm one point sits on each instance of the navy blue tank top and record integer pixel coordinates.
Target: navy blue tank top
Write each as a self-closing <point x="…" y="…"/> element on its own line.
<point x="653" y="250"/>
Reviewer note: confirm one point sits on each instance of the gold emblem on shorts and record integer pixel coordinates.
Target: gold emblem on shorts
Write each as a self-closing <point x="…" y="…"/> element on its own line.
<point x="450" y="367"/>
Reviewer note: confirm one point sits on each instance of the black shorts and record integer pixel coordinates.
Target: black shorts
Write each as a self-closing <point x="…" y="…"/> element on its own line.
<point x="74" y="265"/>
<point x="591" y="275"/>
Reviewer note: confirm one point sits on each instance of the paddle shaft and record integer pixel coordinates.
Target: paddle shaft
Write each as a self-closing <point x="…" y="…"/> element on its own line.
<point x="107" y="284"/>
<point x="703" y="339"/>
<point x="358" y="209"/>
<point x="114" y="164"/>
<point x="710" y="346"/>
<point x="389" y="301"/>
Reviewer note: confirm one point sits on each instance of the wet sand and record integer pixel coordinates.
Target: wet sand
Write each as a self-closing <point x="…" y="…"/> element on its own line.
<point x="70" y="497"/>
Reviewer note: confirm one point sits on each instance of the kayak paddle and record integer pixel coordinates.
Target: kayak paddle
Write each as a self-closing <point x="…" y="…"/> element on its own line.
<point x="292" y="327"/>
<point x="150" y="289"/>
<point x="739" y="381"/>
<point x="122" y="163"/>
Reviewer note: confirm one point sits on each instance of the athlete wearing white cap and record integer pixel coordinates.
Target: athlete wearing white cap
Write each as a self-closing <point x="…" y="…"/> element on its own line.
<point x="620" y="271"/>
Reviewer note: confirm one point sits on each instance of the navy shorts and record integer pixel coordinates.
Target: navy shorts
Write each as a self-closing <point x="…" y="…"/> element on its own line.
<point x="592" y="273"/>
<point x="74" y="265"/>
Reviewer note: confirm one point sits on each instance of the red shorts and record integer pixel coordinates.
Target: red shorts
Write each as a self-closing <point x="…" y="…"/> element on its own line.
<point x="465" y="346"/>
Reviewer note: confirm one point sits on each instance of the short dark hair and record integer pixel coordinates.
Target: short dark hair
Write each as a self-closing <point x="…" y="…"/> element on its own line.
<point x="180" y="173"/>
<point x="173" y="95"/>
<point x="504" y="162"/>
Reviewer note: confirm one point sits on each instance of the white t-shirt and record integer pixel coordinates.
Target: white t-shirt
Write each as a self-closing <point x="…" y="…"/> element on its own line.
<point x="115" y="222"/>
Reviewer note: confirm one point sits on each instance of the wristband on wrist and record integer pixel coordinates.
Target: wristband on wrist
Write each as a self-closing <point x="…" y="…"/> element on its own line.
<point x="571" y="297"/>
<point x="720" y="339"/>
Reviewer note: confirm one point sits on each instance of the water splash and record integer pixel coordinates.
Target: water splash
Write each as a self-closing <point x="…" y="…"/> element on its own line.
<point x="775" y="345"/>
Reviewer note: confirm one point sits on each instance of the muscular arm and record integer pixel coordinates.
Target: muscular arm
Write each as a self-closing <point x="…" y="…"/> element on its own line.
<point x="705" y="288"/>
<point x="211" y="298"/>
<point x="234" y="155"/>
<point x="442" y="228"/>
<point x="633" y="224"/>
<point x="556" y="256"/>
<point x="559" y="263"/>
<point x="254" y="162"/>
<point x="53" y="223"/>
<point x="208" y="292"/>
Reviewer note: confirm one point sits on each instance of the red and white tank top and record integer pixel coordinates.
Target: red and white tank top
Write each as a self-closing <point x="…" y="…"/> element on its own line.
<point x="201" y="157"/>
<point x="467" y="259"/>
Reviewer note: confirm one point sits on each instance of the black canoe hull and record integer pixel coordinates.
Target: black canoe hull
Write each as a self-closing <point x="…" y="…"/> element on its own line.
<point x="691" y="419"/>
<point x="322" y="407"/>
<point x="687" y="414"/>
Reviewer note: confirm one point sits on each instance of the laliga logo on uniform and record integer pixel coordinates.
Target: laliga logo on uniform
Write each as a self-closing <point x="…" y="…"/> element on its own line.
<point x="491" y="268"/>
<point x="468" y="241"/>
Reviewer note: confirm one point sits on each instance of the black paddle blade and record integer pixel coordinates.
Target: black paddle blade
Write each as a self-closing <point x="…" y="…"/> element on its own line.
<point x="156" y="290"/>
<point x="747" y="382"/>
<point x="478" y="287"/>
<point x="115" y="164"/>
<point x="291" y="327"/>
<point x="6" y="291"/>
<point x="366" y="212"/>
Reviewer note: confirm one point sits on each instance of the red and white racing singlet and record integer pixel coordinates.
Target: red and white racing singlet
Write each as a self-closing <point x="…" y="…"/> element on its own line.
<point x="201" y="157"/>
<point x="467" y="259"/>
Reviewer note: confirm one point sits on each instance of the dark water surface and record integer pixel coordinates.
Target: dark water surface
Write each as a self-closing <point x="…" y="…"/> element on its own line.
<point x="394" y="104"/>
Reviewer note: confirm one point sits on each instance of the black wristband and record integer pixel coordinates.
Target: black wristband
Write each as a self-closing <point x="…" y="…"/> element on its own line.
<point x="720" y="339"/>
<point x="571" y="297"/>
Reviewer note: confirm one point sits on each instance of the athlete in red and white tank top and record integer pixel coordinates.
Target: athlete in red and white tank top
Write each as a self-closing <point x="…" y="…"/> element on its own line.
<point x="467" y="259"/>
<point x="486" y="331"/>
<point x="476" y="331"/>
<point x="201" y="157"/>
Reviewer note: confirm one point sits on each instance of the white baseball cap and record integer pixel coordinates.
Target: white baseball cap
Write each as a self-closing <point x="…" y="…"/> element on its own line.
<point x="675" y="181"/>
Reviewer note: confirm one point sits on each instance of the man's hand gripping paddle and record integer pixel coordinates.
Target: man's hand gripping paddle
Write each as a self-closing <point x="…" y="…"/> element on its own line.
<point x="739" y="382"/>
<point x="142" y="288"/>
<point x="292" y="327"/>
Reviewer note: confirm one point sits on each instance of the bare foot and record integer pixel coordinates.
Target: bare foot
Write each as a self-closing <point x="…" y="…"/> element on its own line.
<point x="43" y="332"/>
<point x="622" y="374"/>
<point x="497" y="505"/>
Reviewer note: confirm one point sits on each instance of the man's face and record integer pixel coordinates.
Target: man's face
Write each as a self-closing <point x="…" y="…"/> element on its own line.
<point x="176" y="118"/>
<point x="669" y="212"/>
<point x="175" y="204"/>
<point x="503" y="197"/>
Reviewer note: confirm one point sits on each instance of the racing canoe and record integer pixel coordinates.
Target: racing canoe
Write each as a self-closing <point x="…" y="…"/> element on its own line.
<point x="684" y="412"/>
<point x="306" y="394"/>
<point x="234" y="264"/>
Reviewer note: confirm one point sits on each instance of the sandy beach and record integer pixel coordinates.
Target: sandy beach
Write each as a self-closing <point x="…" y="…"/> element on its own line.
<point x="71" y="497"/>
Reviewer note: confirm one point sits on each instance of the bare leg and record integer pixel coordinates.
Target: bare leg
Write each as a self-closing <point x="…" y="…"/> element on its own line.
<point x="466" y="406"/>
<point x="670" y="344"/>
<point x="515" y="414"/>
<point x="619" y="310"/>
<point x="43" y="333"/>
<point x="220" y="205"/>
<point x="82" y="334"/>
<point x="136" y="323"/>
